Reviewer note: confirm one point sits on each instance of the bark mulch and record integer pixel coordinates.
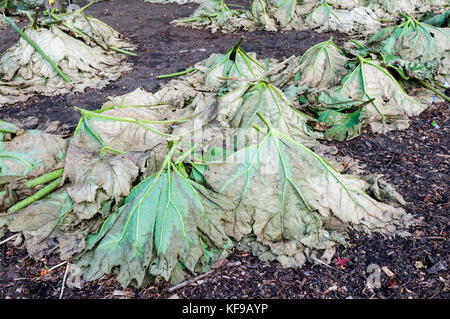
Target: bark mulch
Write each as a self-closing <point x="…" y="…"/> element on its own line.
<point x="415" y="161"/>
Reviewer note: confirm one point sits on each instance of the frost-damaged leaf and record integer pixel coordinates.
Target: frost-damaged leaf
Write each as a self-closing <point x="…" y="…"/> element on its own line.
<point x="24" y="71"/>
<point x="260" y="15"/>
<point x="30" y="152"/>
<point x="215" y="15"/>
<point x="110" y="147"/>
<point x="284" y="193"/>
<point x="272" y="15"/>
<point x="284" y="11"/>
<point x="235" y="63"/>
<point x="340" y="126"/>
<point x="438" y="20"/>
<point x="42" y="223"/>
<point x="357" y="20"/>
<point x="92" y="30"/>
<point x="416" y="49"/>
<point x="388" y="8"/>
<point x="49" y="223"/>
<point x="24" y="155"/>
<point x="322" y="66"/>
<point x="238" y="109"/>
<point x="113" y="145"/>
<point x="163" y="221"/>
<point x="371" y="81"/>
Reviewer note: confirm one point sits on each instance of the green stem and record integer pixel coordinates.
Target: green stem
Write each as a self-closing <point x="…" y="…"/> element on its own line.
<point x="34" y="26"/>
<point x="358" y="44"/>
<point x="121" y="50"/>
<point x="44" y="179"/>
<point x="38" y="49"/>
<point x="172" y="75"/>
<point x="434" y="90"/>
<point x="5" y="130"/>
<point x="36" y="196"/>
<point x="86" y="6"/>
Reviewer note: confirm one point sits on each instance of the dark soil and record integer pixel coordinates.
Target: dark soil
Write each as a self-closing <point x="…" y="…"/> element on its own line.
<point x="415" y="161"/>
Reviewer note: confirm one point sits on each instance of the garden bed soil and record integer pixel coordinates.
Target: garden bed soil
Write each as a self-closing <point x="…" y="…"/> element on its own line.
<point x="415" y="161"/>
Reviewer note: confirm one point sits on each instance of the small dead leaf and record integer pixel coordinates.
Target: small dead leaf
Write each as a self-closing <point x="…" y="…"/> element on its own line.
<point x="419" y="265"/>
<point x="387" y="271"/>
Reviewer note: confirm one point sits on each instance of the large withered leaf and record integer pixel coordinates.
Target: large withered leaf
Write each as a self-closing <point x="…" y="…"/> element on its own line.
<point x="370" y="81"/>
<point x="389" y="8"/>
<point x="322" y="66"/>
<point x="238" y="109"/>
<point x="41" y="224"/>
<point x="284" y="11"/>
<point x="110" y="148"/>
<point x="93" y="30"/>
<point x="163" y="221"/>
<point x="235" y="64"/>
<point x="24" y="71"/>
<point x="261" y="16"/>
<point x="416" y="49"/>
<point x="357" y="20"/>
<point x="217" y="16"/>
<point x="30" y="152"/>
<point x="285" y="192"/>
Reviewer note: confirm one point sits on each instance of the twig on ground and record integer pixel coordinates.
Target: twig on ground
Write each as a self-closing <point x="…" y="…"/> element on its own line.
<point x="8" y="239"/>
<point x="190" y="281"/>
<point x="58" y="265"/>
<point x="331" y="267"/>
<point x="64" y="281"/>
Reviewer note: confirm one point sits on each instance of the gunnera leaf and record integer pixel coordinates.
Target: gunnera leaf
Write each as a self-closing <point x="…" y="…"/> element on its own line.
<point x="24" y="71"/>
<point x="235" y="64"/>
<point x="322" y="66"/>
<point x="39" y="223"/>
<point x="341" y="126"/>
<point x="390" y="102"/>
<point x="285" y="13"/>
<point x="25" y="155"/>
<point x="162" y="222"/>
<point x="337" y="116"/>
<point x="389" y="8"/>
<point x="259" y="13"/>
<point x="357" y="20"/>
<point x="416" y="49"/>
<point x="92" y="30"/>
<point x="112" y="146"/>
<point x="238" y="109"/>
<point x="441" y="20"/>
<point x="217" y="16"/>
<point x="31" y="152"/>
<point x="286" y="194"/>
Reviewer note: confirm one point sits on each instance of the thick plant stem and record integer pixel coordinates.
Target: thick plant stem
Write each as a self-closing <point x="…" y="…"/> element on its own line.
<point x="36" y="196"/>
<point x="34" y="26"/>
<point x="38" y="49"/>
<point x="434" y="90"/>
<point x="44" y="179"/>
<point x="121" y="50"/>
<point x="5" y="130"/>
<point x="172" y="75"/>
